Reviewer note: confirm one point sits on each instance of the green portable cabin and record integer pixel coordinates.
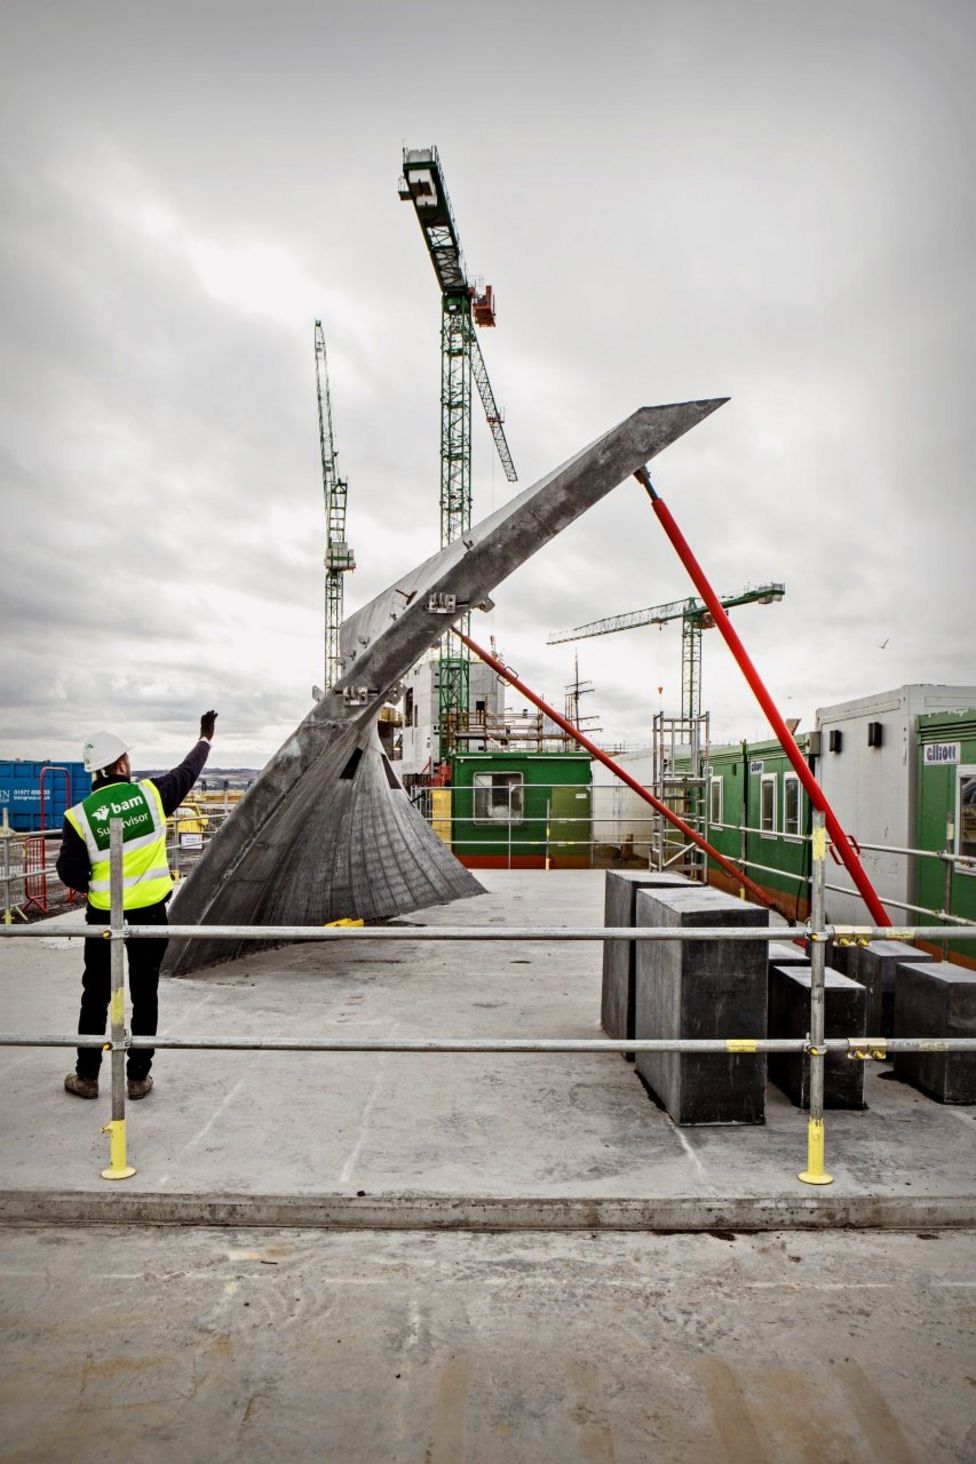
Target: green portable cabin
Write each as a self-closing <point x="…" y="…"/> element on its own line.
<point x="946" y="820"/>
<point x="522" y="810"/>
<point x="753" y="787"/>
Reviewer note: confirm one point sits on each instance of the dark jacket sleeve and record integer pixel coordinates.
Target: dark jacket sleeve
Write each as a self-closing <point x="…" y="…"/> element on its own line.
<point x="176" y="784"/>
<point x="73" y="864"/>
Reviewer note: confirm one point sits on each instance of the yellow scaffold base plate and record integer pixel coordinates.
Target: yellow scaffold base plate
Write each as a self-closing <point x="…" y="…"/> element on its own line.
<point x="126" y="1172"/>
<point x="808" y="1177"/>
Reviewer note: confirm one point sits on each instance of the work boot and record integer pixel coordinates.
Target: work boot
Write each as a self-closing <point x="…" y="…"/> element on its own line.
<point x="138" y="1087"/>
<point x="81" y="1087"/>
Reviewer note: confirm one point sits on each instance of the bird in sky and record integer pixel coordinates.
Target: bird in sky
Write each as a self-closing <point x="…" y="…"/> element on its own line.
<point x="884" y="642"/>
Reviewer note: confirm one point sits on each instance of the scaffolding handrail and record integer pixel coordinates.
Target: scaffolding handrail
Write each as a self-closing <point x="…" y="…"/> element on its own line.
<point x="740" y="1046"/>
<point x="857" y="934"/>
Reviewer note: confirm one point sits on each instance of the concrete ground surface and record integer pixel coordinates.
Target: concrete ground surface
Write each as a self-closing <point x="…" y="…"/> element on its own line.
<point x="221" y="1345"/>
<point x="557" y="1139"/>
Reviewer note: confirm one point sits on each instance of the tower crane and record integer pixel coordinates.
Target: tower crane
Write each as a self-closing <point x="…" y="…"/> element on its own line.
<point x="464" y="305"/>
<point x="339" y="558"/>
<point x="694" y="617"/>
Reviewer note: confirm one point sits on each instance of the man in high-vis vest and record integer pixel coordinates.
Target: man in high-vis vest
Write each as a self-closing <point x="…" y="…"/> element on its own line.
<point x="83" y="864"/>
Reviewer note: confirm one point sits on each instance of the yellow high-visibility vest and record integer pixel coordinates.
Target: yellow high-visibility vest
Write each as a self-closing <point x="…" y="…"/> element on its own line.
<point x="145" y="866"/>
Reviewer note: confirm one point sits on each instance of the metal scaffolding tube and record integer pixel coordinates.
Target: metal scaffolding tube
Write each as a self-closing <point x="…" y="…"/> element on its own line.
<point x="554" y="933"/>
<point x="854" y="1047"/>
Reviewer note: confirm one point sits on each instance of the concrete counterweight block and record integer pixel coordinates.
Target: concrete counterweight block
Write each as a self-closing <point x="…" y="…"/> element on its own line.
<point x="702" y="989"/>
<point x="875" y="966"/>
<point x="789" y="1016"/>
<point x="936" y="1000"/>
<point x="785" y="953"/>
<point x="620" y="958"/>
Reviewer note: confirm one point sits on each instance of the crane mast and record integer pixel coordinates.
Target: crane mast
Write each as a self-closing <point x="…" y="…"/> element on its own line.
<point x="339" y="558"/>
<point x="694" y="617"/>
<point x="463" y="307"/>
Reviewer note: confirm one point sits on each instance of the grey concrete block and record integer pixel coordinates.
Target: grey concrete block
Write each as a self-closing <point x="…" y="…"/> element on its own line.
<point x="789" y="1016"/>
<point x="702" y="989"/>
<point x="620" y="960"/>
<point x="874" y="966"/>
<point x="785" y="953"/>
<point x="839" y="958"/>
<point x="936" y="1000"/>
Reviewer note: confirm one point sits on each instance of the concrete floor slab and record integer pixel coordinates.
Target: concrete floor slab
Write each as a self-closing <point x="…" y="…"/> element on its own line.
<point x="211" y="1346"/>
<point x="568" y="1139"/>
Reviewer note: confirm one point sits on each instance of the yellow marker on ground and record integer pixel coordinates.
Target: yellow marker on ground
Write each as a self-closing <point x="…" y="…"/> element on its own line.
<point x="117" y="1166"/>
<point x="815" y="1172"/>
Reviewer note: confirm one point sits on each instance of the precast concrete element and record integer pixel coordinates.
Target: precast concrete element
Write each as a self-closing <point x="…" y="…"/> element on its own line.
<point x="789" y="1016"/>
<point x="620" y="961"/>
<point x="327" y="831"/>
<point x="785" y="953"/>
<point x="937" y="1000"/>
<point x="699" y="989"/>
<point x="876" y="966"/>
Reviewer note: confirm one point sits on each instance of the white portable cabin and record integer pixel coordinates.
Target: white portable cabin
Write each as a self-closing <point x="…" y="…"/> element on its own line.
<point x="867" y="767"/>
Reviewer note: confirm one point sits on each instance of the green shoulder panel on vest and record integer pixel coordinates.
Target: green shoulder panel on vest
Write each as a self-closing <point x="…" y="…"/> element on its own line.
<point x="119" y="800"/>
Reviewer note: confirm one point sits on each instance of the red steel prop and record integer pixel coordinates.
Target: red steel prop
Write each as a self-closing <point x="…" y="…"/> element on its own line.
<point x="741" y="879"/>
<point x="814" y="791"/>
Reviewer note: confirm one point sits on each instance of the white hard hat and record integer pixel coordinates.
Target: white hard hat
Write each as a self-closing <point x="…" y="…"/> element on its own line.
<point x="102" y="750"/>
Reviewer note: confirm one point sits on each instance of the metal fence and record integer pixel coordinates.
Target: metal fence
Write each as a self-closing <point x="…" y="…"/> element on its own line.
<point x="816" y="1046"/>
<point x="622" y="830"/>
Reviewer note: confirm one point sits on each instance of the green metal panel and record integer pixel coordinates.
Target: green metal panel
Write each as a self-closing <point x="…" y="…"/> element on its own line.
<point x="570" y="826"/>
<point x="938" y="800"/>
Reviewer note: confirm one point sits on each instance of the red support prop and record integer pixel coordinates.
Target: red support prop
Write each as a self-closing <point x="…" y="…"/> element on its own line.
<point x="814" y="791"/>
<point x="502" y="670"/>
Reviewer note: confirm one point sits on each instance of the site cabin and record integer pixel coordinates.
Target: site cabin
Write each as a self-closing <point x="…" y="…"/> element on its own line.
<point x="526" y="810"/>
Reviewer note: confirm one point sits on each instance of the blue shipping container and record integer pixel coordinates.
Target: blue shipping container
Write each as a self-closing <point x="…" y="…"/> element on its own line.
<point x="22" y="784"/>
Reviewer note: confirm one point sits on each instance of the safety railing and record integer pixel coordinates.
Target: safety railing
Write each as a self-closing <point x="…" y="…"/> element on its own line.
<point x="531" y="835"/>
<point x="25" y="868"/>
<point x="816" y="1046"/>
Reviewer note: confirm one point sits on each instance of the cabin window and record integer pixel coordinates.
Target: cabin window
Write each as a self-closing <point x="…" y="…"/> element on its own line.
<point x="792" y="802"/>
<point x="767" y="803"/>
<point x="715" y="789"/>
<point x="966" y="818"/>
<point x="498" y="798"/>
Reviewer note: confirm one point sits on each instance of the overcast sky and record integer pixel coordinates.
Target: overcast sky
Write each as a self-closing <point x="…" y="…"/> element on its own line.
<point x="768" y="200"/>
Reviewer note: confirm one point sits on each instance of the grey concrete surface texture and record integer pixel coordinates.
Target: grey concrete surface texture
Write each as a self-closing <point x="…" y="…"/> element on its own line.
<point x="619" y="960"/>
<point x="702" y="989"/>
<point x="371" y="1348"/>
<point x="789" y="1016"/>
<point x="936" y="1000"/>
<point x="327" y="832"/>
<point x="875" y="966"/>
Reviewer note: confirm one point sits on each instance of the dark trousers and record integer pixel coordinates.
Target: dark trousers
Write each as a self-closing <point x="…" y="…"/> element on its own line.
<point x="145" y="959"/>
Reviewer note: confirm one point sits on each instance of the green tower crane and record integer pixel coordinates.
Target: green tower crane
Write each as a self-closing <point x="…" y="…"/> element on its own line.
<point x="463" y="306"/>
<point x="339" y="558"/>
<point x="694" y="617"/>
